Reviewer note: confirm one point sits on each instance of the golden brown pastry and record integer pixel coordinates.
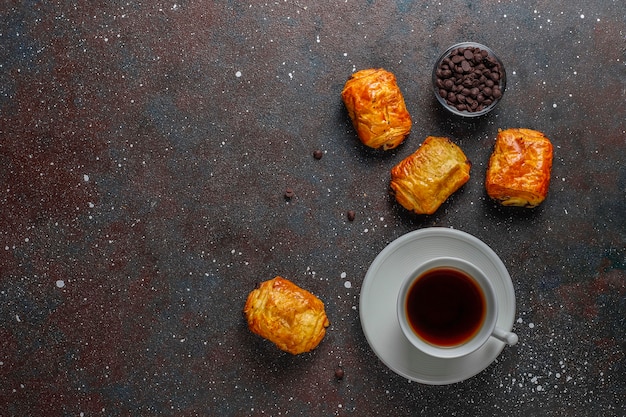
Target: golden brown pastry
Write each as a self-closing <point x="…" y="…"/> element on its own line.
<point x="519" y="168"/>
<point x="376" y="107"/>
<point x="424" y="180"/>
<point x="287" y="315"/>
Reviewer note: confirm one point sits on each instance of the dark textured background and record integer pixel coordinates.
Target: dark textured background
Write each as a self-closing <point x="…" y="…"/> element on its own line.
<point x="145" y="148"/>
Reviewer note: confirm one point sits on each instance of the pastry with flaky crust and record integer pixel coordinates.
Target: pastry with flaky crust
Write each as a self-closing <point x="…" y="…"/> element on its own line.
<point x="519" y="168"/>
<point x="377" y="109"/>
<point x="424" y="180"/>
<point x="287" y="315"/>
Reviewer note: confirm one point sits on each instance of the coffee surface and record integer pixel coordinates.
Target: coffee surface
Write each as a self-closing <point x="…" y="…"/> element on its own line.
<point x="445" y="307"/>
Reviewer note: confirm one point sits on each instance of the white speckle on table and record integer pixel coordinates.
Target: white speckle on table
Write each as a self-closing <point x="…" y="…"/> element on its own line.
<point x="531" y="325"/>
<point x="238" y="74"/>
<point x="86" y="178"/>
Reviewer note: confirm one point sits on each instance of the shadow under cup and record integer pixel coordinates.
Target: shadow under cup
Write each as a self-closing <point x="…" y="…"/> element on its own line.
<point x="447" y="308"/>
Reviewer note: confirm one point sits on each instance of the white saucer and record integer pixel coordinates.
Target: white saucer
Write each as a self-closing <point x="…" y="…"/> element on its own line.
<point x="377" y="304"/>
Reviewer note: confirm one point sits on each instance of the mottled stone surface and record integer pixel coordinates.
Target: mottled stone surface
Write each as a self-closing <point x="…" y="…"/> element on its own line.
<point x="145" y="150"/>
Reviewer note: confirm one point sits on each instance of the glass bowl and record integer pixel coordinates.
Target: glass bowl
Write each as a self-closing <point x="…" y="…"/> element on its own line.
<point x="469" y="79"/>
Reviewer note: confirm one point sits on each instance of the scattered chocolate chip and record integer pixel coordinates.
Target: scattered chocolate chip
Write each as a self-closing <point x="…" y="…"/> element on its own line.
<point x="351" y="215"/>
<point x="339" y="373"/>
<point x="317" y="154"/>
<point x="289" y="193"/>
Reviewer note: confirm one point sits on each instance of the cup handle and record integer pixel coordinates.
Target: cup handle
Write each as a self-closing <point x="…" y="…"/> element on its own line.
<point x="509" y="338"/>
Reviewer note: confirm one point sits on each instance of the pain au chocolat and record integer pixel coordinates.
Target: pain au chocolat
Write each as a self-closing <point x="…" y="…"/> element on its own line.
<point x="377" y="109"/>
<point x="292" y="318"/>
<point x="424" y="180"/>
<point x="519" y="168"/>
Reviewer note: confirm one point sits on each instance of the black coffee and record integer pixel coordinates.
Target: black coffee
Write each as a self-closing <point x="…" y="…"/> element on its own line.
<point x="445" y="307"/>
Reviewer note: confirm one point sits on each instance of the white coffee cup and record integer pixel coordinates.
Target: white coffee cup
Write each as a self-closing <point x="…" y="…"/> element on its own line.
<point x="447" y="308"/>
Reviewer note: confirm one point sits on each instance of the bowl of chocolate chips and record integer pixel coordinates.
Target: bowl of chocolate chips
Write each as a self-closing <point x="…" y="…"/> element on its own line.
<point x="469" y="79"/>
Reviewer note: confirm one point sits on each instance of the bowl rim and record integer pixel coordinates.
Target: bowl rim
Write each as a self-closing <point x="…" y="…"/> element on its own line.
<point x="452" y="109"/>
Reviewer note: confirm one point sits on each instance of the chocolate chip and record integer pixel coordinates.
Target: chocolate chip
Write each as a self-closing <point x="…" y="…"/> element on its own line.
<point x="317" y="154"/>
<point x="351" y="215"/>
<point x="289" y="193"/>
<point x="339" y="373"/>
<point x="469" y="79"/>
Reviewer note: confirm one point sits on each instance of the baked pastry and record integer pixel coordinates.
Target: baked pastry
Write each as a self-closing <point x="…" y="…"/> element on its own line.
<point x="377" y="109"/>
<point x="424" y="180"/>
<point x="287" y="315"/>
<point x="519" y="168"/>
